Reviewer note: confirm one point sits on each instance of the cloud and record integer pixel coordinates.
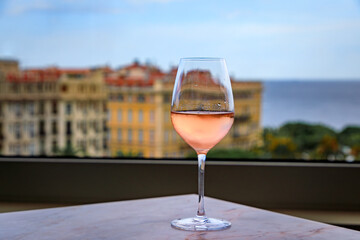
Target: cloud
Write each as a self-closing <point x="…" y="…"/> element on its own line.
<point x="20" y="7"/>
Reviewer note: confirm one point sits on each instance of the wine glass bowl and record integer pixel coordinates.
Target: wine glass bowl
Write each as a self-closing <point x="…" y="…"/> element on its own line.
<point x="202" y="113"/>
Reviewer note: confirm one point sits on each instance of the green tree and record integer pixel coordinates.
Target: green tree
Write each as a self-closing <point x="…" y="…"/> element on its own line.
<point x="68" y="151"/>
<point x="350" y="136"/>
<point x="305" y="136"/>
<point x="280" y="147"/>
<point x="355" y="151"/>
<point x="327" y="147"/>
<point x="234" y="153"/>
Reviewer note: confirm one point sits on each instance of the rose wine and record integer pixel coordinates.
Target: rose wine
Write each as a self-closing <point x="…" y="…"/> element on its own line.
<point x="202" y="130"/>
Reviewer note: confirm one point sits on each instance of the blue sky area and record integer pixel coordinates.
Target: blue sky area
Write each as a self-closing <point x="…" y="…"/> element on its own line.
<point x="260" y="39"/>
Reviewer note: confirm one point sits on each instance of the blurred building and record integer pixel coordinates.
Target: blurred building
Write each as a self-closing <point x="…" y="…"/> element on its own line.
<point x="52" y="111"/>
<point x="105" y="112"/>
<point x="139" y="113"/>
<point x="246" y="130"/>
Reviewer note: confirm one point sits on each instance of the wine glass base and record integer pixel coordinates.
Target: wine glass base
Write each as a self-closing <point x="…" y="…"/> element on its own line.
<point x="200" y="224"/>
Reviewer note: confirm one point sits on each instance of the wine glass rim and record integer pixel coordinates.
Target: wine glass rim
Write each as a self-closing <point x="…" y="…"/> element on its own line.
<point x="202" y="59"/>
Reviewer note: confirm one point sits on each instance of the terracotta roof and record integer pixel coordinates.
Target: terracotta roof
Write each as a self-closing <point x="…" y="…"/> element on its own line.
<point x="150" y="74"/>
<point x="44" y="74"/>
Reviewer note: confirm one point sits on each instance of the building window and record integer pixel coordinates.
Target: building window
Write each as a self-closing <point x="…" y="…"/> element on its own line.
<point x="108" y="136"/>
<point x="141" y="117"/>
<point x="96" y="144"/>
<point x="119" y="115"/>
<point x="41" y="108"/>
<point x="105" y="144"/>
<point x="140" y="136"/>
<point x="41" y="128"/>
<point x="129" y="138"/>
<point x="54" y="146"/>
<point x="97" y="126"/>
<point x="39" y="87"/>
<point x="84" y="127"/>
<point x="68" y="108"/>
<point x="29" y="88"/>
<point x="31" y="108"/>
<point x="17" y="131"/>
<point x="64" y="88"/>
<point x="152" y="116"/>
<point x="32" y="149"/>
<point x="15" y="88"/>
<point x="119" y="134"/>
<point x="105" y="107"/>
<point x="42" y="147"/>
<point x="54" y="127"/>
<point x="68" y="128"/>
<point x="17" y="149"/>
<point x="18" y="109"/>
<point x="129" y="97"/>
<point x="141" y="98"/>
<point x="129" y="115"/>
<point x="54" y="107"/>
<point x="85" y="108"/>
<point x="104" y="126"/>
<point x="31" y="129"/>
<point x="120" y="98"/>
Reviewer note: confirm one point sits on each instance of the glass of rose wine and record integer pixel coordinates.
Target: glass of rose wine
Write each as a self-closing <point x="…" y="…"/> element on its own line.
<point x="202" y="113"/>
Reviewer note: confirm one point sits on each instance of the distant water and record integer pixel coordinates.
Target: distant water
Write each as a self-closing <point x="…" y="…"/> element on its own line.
<point x="334" y="103"/>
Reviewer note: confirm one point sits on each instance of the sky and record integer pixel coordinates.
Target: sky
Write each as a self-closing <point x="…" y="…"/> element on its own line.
<point x="260" y="39"/>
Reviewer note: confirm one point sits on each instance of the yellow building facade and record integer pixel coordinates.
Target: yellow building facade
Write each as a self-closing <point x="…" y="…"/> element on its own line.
<point x="102" y="112"/>
<point x="46" y="111"/>
<point x="139" y="120"/>
<point x="139" y="115"/>
<point x="246" y="130"/>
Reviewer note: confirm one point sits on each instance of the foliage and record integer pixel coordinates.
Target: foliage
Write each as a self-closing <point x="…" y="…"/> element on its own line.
<point x="280" y="147"/>
<point x="128" y="154"/>
<point x="299" y="140"/>
<point x="355" y="151"/>
<point x="228" y="153"/>
<point x="68" y="151"/>
<point x="350" y="136"/>
<point x="231" y="153"/>
<point x="328" y="147"/>
<point x="306" y="136"/>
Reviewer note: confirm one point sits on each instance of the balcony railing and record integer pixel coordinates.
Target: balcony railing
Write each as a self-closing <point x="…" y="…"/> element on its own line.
<point x="284" y="186"/>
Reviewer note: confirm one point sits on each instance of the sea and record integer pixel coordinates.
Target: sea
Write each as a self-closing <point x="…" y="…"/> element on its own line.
<point x="333" y="103"/>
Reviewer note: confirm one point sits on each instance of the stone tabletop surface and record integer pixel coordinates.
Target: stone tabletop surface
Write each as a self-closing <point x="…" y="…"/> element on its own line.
<point x="150" y="219"/>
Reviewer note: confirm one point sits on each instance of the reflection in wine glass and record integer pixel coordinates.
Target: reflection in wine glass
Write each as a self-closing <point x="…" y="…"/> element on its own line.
<point x="202" y="112"/>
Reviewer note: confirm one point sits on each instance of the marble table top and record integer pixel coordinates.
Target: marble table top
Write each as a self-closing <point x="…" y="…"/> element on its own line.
<point x="150" y="219"/>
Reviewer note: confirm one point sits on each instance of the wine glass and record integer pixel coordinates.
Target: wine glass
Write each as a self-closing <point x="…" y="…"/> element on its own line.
<point x="202" y="113"/>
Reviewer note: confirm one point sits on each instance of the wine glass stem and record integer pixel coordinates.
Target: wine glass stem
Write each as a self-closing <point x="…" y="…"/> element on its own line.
<point x="201" y="173"/>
